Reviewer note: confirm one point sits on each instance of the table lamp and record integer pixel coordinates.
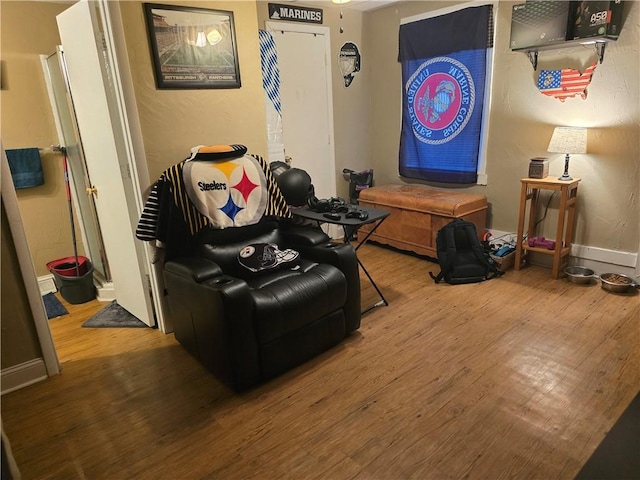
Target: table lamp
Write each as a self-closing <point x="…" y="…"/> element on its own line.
<point x="568" y="140"/>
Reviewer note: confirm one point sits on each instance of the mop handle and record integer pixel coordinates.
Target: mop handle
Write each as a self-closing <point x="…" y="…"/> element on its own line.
<point x="73" y="228"/>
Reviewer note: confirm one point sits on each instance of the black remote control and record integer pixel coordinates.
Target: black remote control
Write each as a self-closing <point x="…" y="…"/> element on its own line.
<point x="332" y="216"/>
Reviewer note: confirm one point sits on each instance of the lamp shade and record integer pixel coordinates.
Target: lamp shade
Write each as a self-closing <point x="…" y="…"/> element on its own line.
<point x="568" y="140"/>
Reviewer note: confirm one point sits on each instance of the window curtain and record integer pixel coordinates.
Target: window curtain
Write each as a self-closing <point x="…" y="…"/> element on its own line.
<point x="443" y="62"/>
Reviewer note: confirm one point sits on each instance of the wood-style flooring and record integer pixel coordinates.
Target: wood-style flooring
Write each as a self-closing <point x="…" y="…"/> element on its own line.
<point x="518" y="377"/>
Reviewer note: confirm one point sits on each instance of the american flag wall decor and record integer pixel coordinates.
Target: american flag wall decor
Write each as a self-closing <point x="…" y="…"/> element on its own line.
<point x="565" y="83"/>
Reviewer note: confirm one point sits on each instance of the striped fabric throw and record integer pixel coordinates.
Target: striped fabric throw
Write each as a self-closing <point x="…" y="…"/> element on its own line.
<point x="246" y="182"/>
<point x="270" y="72"/>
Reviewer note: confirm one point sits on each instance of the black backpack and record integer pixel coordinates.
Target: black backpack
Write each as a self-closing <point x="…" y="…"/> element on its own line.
<point x="461" y="256"/>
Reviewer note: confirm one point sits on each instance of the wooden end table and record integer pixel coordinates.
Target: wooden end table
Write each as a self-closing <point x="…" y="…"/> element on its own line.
<point x="564" y="230"/>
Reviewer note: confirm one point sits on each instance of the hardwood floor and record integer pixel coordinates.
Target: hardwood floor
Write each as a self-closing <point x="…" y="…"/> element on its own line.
<point x="518" y="377"/>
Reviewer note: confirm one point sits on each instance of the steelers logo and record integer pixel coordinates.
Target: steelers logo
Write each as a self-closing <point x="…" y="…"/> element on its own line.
<point x="440" y="100"/>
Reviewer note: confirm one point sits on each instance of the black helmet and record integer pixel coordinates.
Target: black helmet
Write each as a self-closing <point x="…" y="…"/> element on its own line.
<point x="295" y="185"/>
<point x="278" y="167"/>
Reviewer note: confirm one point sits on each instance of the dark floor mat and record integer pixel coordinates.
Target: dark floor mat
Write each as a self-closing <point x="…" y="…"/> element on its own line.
<point x="617" y="456"/>
<point x="53" y="306"/>
<point x="113" y="316"/>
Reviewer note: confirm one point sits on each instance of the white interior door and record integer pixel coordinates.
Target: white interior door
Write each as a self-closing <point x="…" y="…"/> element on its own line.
<point x="108" y="163"/>
<point x="307" y="101"/>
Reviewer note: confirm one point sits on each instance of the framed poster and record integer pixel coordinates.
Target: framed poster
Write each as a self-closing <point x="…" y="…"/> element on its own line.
<point x="192" y="47"/>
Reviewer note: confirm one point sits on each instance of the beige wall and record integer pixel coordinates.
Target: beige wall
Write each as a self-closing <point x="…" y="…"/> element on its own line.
<point x="173" y="121"/>
<point x="522" y="120"/>
<point x="237" y="115"/>
<point x="28" y="29"/>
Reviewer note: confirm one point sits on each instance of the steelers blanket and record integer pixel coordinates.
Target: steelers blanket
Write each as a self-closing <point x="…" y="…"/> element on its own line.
<point x="238" y="190"/>
<point x="230" y="193"/>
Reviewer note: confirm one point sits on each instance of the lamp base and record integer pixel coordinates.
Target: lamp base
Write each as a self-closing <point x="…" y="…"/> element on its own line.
<point x="565" y="176"/>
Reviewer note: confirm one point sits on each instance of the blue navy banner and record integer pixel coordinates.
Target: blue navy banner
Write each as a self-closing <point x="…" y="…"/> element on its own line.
<point x="443" y="73"/>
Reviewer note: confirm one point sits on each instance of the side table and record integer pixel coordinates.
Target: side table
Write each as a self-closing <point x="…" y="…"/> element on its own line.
<point x="351" y="225"/>
<point x="564" y="231"/>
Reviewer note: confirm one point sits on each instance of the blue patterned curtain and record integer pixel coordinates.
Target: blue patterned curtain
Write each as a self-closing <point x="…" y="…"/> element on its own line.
<point x="271" y="86"/>
<point x="443" y="73"/>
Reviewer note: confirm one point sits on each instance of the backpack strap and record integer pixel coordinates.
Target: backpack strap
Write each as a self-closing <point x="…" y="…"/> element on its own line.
<point x="450" y="242"/>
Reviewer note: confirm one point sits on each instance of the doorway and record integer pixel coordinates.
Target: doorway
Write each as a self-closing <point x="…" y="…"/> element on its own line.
<point x="69" y="137"/>
<point x="113" y="157"/>
<point x="304" y="64"/>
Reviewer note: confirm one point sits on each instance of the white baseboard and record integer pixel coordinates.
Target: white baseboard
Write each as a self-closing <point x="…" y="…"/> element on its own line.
<point x="612" y="257"/>
<point x="23" y="375"/>
<point x="499" y="236"/>
<point x="47" y="284"/>
<point x="600" y="260"/>
<point x="106" y="292"/>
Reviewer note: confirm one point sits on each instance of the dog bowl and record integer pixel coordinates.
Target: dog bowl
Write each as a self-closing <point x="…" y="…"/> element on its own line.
<point x="579" y="274"/>
<point x="618" y="283"/>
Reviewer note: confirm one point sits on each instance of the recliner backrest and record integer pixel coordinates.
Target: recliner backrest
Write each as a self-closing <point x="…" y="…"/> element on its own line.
<point x="222" y="245"/>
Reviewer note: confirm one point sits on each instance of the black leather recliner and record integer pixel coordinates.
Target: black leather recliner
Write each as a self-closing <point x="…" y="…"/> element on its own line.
<point x="249" y="327"/>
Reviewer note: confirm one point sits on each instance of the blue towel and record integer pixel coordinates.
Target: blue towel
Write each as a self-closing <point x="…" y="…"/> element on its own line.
<point x="26" y="167"/>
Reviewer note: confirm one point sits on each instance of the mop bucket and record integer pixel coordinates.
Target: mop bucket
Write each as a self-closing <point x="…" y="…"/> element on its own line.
<point x="67" y="266"/>
<point x="73" y="288"/>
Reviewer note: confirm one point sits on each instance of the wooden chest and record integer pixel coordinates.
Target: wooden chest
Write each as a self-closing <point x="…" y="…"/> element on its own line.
<point x="417" y="213"/>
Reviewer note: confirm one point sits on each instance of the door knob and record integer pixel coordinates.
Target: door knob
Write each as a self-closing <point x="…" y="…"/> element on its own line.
<point x="92" y="190"/>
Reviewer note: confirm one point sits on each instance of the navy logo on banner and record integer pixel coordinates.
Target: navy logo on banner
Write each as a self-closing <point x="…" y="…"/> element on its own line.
<point x="441" y="97"/>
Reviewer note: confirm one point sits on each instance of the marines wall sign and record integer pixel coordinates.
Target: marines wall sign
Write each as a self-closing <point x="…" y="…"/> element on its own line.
<point x="290" y="13"/>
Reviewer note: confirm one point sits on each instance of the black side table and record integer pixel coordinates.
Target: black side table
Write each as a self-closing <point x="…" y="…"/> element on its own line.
<point x="350" y="226"/>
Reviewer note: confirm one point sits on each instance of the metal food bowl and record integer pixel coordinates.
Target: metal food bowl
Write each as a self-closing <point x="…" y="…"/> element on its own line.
<point x="580" y="274"/>
<point x="617" y="282"/>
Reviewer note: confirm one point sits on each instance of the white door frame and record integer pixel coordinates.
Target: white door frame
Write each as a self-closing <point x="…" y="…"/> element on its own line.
<point x="40" y="320"/>
<point x="333" y="231"/>
<point x="104" y="288"/>
<point x="117" y="48"/>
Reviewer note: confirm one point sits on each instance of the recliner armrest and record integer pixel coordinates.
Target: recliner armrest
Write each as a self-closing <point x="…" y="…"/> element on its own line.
<point x="199" y="269"/>
<point x="212" y="319"/>
<point x="303" y="235"/>
<point x="343" y="257"/>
